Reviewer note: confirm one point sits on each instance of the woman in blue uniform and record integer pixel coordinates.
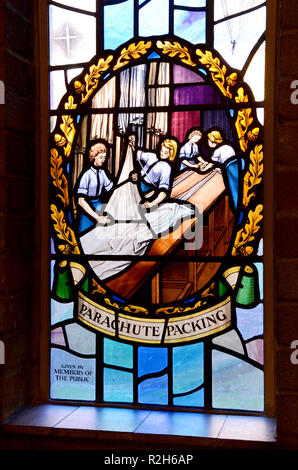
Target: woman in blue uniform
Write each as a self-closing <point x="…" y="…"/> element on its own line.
<point x="224" y="157"/>
<point x="155" y="176"/>
<point x="91" y="187"/>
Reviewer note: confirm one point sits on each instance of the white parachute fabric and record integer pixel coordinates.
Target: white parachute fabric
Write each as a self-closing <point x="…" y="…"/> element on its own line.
<point x="131" y="233"/>
<point x="124" y="203"/>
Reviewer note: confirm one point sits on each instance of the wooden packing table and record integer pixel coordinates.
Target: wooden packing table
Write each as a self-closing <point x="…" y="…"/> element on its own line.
<point x="209" y="188"/>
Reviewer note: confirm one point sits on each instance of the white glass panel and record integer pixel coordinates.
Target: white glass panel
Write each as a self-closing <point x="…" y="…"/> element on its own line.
<point x="154" y="18"/>
<point x="190" y="25"/>
<point x="57" y="88"/>
<point x="234" y="39"/>
<point x="72" y="377"/>
<point x="72" y="73"/>
<point x="53" y="121"/>
<point x="260" y="115"/>
<point x="118" y="24"/>
<point x="89" y="5"/>
<point x="72" y="37"/>
<point x="224" y="8"/>
<point x="255" y="74"/>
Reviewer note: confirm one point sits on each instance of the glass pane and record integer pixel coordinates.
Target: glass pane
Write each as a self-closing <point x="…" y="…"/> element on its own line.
<point x="154" y="18"/>
<point x="187" y="380"/>
<point x="184" y="75"/>
<point x="151" y="360"/>
<point x="235" y="38"/>
<point x="118" y="386"/>
<point x="236" y="384"/>
<point x="89" y="5"/>
<point x="72" y="36"/>
<point x="118" y="354"/>
<point x="195" y="399"/>
<point x="203" y="94"/>
<point x="224" y="8"/>
<point x="255" y="74"/>
<point x="154" y="391"/>
<point x="72" y="377"/>
<point x="72" y="73"/>
<point x="57" y="88"/>
<point x="118" y="24"/>
<point x="260" y="114"/>
<point x="190" y="25"/>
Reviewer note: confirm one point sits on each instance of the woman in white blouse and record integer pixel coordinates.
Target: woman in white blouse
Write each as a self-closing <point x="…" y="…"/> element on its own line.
<point x="224" y="157"/>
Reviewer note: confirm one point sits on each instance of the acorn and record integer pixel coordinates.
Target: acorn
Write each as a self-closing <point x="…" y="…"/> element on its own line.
<point x="60" y="140"/>
<point x="253" y="134"/>
<point x="232" y="79"/>
<point x="79" y="87"/>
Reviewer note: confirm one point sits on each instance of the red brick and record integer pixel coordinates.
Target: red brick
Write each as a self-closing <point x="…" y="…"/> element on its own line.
<point x="19" y="114"/>
<point x="286" y="237"/>
<point x="10" y="240"/>
<point x="12" y="390"/>
<point x="14" y="310"/>
<point x="19" y="35"/>
<point x="25" y="8"/>
<point x="287" y="412"/>
<point x="19" y="77"/>
<point x="287" y="373"/>
<point x="2" y="24"/>
<point x="287" y="145"/>
<point x="15" y="273"/>
<point x="288" y="53"/>
<point x="287" y="279"/>
<point x="287" y="189"/>
<point x="286" y="323"/>
<point x="289" y="13"/>
<point x="20" y="196"/>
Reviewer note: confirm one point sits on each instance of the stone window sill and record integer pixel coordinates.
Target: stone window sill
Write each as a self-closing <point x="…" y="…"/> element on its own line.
<point x="143" y="429"/>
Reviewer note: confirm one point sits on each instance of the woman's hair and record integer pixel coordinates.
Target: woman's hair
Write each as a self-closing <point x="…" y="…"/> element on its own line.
<point x="172" y="146"/>
<point x="195" y="132"/>
<point x="215" y="137"/>
<point x="95" y="150"/>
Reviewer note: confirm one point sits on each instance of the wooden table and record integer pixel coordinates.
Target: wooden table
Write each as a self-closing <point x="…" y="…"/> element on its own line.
<point x="203" y="192"/>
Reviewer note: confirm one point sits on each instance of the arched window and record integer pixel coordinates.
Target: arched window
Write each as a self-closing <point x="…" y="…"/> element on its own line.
<point x="156" y="202"/>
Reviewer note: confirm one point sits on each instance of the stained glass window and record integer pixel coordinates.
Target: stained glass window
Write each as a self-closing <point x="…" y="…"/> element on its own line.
<point x="156" y="116"/>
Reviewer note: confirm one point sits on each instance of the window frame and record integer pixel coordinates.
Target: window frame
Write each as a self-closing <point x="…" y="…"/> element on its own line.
<point x="40" y="328"/>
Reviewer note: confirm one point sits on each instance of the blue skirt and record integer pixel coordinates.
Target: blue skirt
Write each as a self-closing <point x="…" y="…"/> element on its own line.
<point x="85" y="221"/>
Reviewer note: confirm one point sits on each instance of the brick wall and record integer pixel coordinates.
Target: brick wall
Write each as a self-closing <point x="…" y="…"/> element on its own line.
<point x="286" y="259"/>
<point x="16" y="198"/>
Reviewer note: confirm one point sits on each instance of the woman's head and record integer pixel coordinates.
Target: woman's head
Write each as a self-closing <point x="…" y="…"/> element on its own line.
<point x="168" y="150"/>
<point x="97" y="154"/>
<point x="195" y="136"/>
<point x="214" y="138"/>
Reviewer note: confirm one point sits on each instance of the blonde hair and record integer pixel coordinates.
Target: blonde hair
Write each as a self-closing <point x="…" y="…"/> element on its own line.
<point x="95" y="150"/>
<point x="172" y="146"/>
<point x="215" y="137"/>
<point x="195" y="132"/>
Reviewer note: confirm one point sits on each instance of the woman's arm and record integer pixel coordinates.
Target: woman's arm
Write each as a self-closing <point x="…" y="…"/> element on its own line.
<point x="189" y="164"/>
<point x="101" y="219"/>
<point x="161" y="196"/>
